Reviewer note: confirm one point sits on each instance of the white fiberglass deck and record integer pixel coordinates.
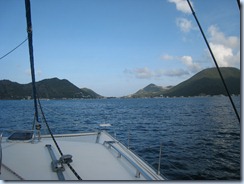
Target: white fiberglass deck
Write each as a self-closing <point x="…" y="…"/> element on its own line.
<point x="93" y="159"/>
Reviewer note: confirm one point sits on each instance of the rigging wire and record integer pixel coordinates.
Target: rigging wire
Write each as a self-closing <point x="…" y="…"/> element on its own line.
<point x="239" y="4"/>
<point x="216" y="64"/>
<point x="31" y="54"/>
<point x="55" y="142"/>
<point x="13" y="49"/>
<point x="36" y="99"/>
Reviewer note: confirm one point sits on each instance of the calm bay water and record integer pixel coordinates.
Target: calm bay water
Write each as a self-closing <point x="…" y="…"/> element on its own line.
<point x="200" y="137"/>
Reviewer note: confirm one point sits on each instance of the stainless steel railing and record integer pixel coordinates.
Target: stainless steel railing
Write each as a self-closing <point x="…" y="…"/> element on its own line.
<point x="139" y="170"/>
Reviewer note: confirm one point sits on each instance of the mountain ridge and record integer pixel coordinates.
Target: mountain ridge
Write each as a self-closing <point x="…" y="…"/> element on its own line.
<point x="150" y="91"/>
<point x="208" y="82"/>
<point x="52" y="88"/>
<point x="205" y="82"/>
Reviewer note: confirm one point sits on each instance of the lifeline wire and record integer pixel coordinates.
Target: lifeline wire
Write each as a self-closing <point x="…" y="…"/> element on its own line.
<point x="13" y="49"/>
<point x="216" y="64"/>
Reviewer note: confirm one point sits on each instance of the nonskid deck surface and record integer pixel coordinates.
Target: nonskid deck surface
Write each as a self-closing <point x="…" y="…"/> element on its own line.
<point x="95" y="157"/>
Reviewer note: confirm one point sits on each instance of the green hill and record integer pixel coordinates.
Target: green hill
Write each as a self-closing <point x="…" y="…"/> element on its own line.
<point x="88" y="93"/>
<point x="149" y="91"/>
<point x="48" y="88"/>
<point x="13" y="90"/>
<point x="208" y="82"/>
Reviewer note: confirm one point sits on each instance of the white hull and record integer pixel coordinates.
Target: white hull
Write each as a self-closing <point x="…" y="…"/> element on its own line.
<point x="95" y="157"/>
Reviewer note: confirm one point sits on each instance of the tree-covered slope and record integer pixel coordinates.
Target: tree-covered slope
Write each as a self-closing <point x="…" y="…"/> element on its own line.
<point x="48" y="88"/>
<point x="208" y="82"/>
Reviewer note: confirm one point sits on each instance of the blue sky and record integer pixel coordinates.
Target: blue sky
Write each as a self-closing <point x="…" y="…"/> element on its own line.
<point x="116" y="47"/>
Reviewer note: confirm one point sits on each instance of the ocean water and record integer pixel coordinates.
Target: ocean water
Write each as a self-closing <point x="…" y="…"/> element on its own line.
<point x="200" y="137"/>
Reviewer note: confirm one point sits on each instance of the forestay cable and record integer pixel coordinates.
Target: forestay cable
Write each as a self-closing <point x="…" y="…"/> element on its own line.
<point x="31" y="54"/>
<point x="36" y="100"/>
<point x="216" y="64"/>
<point x="239" y="4"/>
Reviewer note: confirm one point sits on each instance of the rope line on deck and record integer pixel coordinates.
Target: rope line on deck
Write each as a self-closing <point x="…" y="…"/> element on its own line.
<point x="55" y="142"/>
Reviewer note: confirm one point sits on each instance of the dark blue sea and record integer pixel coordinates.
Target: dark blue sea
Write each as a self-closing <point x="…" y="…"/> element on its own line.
<point x="200" y="137"/>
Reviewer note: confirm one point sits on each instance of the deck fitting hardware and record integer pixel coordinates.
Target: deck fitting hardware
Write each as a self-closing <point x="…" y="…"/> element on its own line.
<point x="65" y="159"/>
<point x="56" y="165"/>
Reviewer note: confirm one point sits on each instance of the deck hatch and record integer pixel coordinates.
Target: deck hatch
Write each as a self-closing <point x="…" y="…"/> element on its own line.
<point x="21" y="136"/>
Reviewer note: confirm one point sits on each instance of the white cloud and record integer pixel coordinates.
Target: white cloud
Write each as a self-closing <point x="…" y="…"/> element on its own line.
<point x="146" y="73"/>
<point x="219" y="38"/>
<point x="141" y="73"/>
<point x="186" y="60"/>
<point x="192" y="66"/>
<point x="221" y="53"/>
<point x="182" y="5"/>
<point x="184" y="24"/>
<point x="226" y="49"/>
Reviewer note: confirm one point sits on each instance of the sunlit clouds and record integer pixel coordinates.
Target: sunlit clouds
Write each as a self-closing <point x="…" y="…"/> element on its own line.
<point x="119" y="47"/>
<point x="140" y="73"/>
<point x="187" y="61"/>
<point x="146" y="73"/>
<point x="184" y="24"/>
<point x="182" y="5"/>
<point x="226" y="49"/>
